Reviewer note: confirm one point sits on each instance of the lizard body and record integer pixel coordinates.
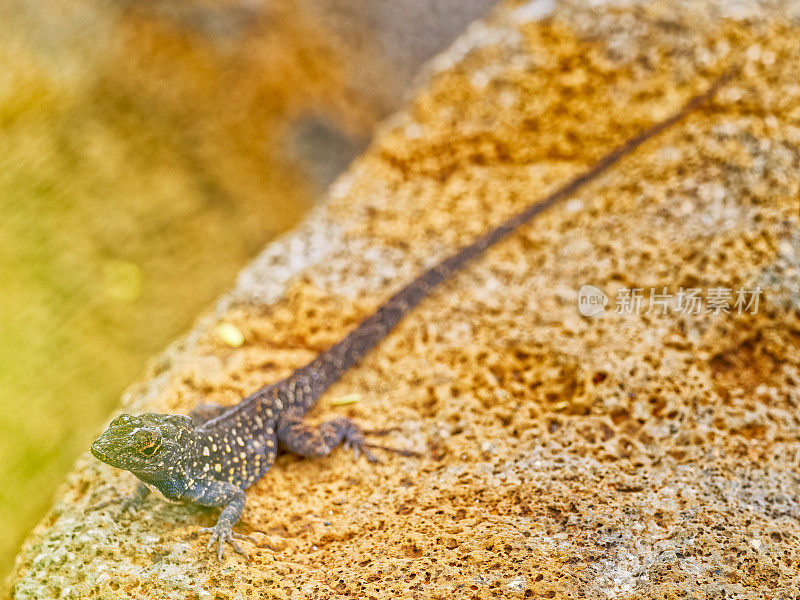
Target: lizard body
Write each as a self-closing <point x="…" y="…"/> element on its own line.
<point x="212" y="458"/>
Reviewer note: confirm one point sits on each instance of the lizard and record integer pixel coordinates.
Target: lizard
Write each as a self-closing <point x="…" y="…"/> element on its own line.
<point x="213" y="456"/>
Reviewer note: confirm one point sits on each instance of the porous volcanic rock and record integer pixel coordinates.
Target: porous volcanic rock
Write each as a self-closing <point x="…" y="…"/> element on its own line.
<point x="622" y="455"/>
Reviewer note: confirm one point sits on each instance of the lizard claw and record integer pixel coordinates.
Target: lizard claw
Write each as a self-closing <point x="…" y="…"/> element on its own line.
<point x="355" y="440"/>
<point x="130" y="504"/>
<point x="359" y="447"/>
<point x="400" y="451"/>
<point x="381" y="432"/>
<point x="102" y="504"/>
<point x="363" y="450"/>
<point x="220" y="535"/>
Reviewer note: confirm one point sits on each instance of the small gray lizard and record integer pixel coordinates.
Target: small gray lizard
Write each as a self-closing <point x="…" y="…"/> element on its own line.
<point x="211" y="458"/>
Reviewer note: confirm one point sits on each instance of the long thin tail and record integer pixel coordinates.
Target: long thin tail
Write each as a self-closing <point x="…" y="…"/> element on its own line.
<point x="308" y="383"/>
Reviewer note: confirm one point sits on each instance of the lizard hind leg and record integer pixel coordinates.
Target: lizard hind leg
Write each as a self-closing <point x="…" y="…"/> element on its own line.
<point x="319" y="440"/>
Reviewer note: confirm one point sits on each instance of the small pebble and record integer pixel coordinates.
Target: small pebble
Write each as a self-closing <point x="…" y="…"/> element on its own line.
<point x="230" y="334"/>
<point x="517" y="585"/>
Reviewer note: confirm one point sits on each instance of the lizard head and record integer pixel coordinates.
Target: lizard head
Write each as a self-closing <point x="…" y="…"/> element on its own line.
<point x="148" y="445"/>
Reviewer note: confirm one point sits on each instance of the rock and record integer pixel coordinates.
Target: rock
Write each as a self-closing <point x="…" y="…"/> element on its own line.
<point x="517" y="585"/>
<point x="634" y="455"/>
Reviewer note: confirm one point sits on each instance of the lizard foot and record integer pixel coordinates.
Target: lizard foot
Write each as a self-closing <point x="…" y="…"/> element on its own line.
<point x="359" y="446"/>
<point x="127" y="504"/>
<point x="130" y="503"/>
<point x="221" y="534"/>
<point x="379" y="433"/>
<point x="102" y="504"/>
<point x="387" y="431"/>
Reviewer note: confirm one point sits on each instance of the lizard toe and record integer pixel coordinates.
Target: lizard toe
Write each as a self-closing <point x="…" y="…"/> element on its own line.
<point x="237" y="548"/>
<point x="130" y="504"/>
<point x="400" y="451"/>
<point x="369" y="455"/>
<point x="211" y="540"/>
<point x="241" y="536"/>
<point x="220" y="536"/>
<point x="359" y="446"/>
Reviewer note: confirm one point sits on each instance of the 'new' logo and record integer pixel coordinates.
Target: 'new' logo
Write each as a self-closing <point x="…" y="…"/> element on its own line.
<point x="591" y="301"/>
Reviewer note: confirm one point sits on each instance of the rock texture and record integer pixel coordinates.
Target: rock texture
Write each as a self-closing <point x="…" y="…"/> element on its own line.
<point x="622" y="456"/>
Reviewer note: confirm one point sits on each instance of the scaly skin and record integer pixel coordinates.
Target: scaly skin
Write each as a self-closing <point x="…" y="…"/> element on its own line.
<point x="212" y="457"/>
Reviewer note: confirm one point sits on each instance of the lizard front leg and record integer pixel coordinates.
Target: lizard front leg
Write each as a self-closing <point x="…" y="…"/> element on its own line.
<point x="232" y="499"/>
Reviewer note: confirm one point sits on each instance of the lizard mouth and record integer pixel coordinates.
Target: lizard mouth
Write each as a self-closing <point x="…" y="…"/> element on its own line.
<point x="97" y="450"/>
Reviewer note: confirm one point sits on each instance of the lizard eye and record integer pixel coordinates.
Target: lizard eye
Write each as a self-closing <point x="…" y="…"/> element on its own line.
<point x="146" y="441"/>
<point x="149" y="450"/>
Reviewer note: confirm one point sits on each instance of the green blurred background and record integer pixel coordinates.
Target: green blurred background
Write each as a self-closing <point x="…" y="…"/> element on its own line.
<point x="143" y="160"/>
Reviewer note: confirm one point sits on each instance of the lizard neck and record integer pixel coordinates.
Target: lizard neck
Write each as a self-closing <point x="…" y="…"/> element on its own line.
<point x="171" y="486"/>
<point x="172" y="489"/>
